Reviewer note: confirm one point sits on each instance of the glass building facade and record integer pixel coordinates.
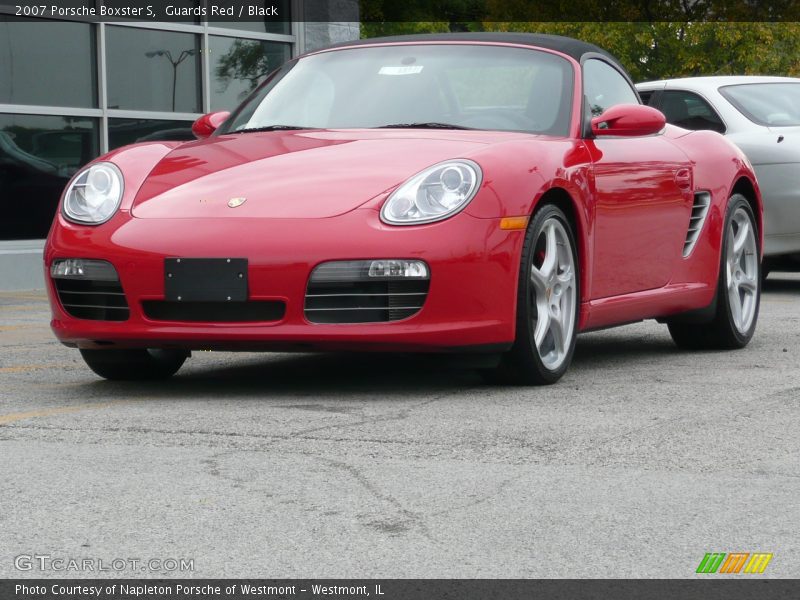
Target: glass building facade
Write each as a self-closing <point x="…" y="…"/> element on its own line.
<point x="70" y="91"/>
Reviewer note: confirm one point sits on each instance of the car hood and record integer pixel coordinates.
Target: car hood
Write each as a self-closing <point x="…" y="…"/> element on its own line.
<point x="297" y="174"/>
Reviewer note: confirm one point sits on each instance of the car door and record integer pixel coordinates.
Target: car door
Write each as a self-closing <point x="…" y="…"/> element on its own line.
<point x="642" y="190"/>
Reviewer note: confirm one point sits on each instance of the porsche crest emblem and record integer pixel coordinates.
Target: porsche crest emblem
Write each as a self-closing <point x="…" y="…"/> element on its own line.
<point x="234" y="202"/>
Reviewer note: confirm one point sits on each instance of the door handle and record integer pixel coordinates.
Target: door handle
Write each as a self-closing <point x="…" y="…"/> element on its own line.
<point x="683" y="177"/>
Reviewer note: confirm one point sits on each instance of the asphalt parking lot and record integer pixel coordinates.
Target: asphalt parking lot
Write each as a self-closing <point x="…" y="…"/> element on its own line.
<point x="641" y="460"/>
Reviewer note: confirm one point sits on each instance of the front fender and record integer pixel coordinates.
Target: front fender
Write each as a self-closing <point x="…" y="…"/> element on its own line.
<point x="136" y="162"/>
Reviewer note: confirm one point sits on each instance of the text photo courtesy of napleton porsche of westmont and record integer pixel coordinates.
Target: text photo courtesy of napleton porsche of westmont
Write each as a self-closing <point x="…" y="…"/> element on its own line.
<point x="461" y="299"/>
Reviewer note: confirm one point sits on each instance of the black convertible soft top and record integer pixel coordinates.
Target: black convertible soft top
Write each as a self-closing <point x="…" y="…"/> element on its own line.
<point x="569" y="46"/>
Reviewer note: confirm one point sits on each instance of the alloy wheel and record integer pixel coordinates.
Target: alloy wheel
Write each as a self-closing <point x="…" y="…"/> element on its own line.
<point x="554" y="294"/>
<point x="741" y="266"/>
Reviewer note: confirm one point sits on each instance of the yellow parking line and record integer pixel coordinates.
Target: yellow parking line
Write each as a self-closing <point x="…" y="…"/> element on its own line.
<point x="49" y="412"/>
<point x="23" y="368"/>
<point x="23" y="296"/>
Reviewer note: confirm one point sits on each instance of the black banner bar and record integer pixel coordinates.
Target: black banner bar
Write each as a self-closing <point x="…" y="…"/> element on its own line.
<point x="398" y="11"/>
<point x="712" y="588"/>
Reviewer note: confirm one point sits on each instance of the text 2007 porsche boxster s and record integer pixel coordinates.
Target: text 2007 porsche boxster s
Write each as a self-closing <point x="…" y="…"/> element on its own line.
<point x="443" y="193"/>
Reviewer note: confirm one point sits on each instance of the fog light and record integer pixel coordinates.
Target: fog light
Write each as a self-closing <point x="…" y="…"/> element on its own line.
<point x="370" y="270"/>
<point x="79" y="268"/>
<point x="398" y="268"/>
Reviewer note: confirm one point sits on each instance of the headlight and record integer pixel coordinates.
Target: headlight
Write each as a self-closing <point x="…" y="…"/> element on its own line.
<point x="94" y="195"/>
<point x="434" y="194"/>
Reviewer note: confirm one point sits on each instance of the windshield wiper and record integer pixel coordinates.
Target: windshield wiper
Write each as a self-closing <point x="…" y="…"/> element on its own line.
<point x="393" y="126"/>
<point x="424" y="126"/>
<point x="269" y="128"/>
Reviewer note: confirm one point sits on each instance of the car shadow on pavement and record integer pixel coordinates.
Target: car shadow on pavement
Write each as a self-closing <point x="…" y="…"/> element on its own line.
<point x="246" y="375"/>
<point x="375" y="374"/>
<point x="309" y="374"/>
<point x="596" y="350"/>
<point x="775" y="283"/>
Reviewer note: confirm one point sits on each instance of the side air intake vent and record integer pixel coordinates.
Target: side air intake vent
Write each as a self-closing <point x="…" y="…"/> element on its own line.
<point x="702" y="200"/>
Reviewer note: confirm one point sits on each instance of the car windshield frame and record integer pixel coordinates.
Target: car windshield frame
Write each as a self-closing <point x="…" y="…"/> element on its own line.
<point x="725" y="91"/>
<point x="554" y="65"/>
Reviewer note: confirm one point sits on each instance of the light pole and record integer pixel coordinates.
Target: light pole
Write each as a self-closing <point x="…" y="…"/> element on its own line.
<point x="168" y="55"/>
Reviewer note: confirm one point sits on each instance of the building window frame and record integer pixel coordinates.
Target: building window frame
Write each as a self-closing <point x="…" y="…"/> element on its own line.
<point x="294" y="40"/>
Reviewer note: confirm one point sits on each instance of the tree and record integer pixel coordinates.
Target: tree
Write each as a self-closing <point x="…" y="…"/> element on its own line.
<point x="654" y="39"/>
<point x="389" y="17"/>
<point x="663" y="50"/>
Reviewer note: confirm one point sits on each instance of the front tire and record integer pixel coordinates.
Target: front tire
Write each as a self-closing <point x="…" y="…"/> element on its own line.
<point x="136" y="364"/>
<point x="738" y="287"/>
<point x="548" y="299"/>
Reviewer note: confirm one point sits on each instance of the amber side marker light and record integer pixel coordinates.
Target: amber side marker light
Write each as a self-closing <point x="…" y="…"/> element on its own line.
<point x="513" y="223"/>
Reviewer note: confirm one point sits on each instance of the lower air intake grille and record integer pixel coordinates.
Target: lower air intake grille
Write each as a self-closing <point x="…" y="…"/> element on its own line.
<point x="345" y="292"/>
<point x="214" y="312"/>
<point x="702" y="200"/>
<point x="93" y="300"/>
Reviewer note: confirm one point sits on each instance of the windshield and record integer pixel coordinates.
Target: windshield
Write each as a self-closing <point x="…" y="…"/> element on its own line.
<point x="771" y="104"/>
<point x="442" y="86"/>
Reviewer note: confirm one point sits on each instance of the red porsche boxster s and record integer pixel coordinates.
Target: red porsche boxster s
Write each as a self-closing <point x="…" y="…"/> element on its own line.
<point x="493" y="193"/>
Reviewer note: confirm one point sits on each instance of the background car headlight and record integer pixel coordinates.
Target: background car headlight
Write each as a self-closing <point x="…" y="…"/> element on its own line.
<point x="94" y="195"/>
<point x="434" y="194"/>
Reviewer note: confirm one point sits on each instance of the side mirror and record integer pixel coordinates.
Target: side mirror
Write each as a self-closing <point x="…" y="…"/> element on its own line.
<point x="629" y="119"/>
<point x="208" y="124"/>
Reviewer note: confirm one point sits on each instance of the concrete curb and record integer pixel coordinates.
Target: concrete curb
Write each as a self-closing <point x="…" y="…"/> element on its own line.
<point x="21" y="265"/>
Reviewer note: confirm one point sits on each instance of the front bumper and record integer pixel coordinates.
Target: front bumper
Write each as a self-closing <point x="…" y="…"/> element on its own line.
<point x="470" y="304"/>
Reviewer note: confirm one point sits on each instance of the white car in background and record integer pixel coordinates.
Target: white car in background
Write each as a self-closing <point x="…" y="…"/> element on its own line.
<point x="762" y="116"/>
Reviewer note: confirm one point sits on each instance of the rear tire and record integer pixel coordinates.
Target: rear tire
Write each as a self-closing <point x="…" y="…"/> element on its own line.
<point x="548" y="300"/>
<point x="738" y="287"/>
<point x="136" y="364"/>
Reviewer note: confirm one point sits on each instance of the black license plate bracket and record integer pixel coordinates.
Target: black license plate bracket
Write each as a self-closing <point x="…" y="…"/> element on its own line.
<point x="205" y="279"/>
